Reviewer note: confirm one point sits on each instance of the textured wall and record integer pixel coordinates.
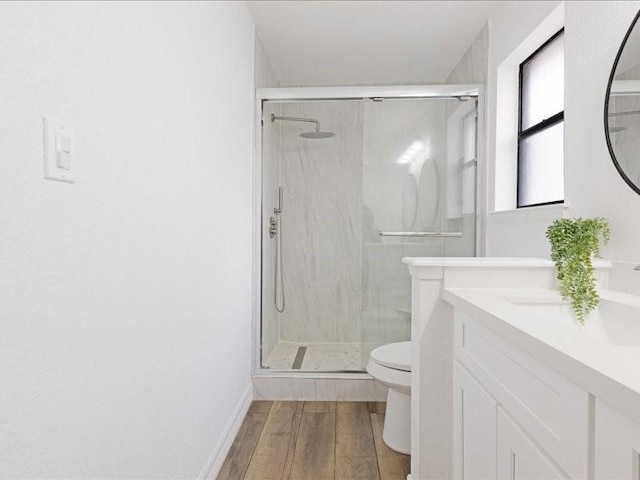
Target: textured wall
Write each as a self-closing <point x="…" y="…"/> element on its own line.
<point x="512" y="232"/>
<point x="125" y="324"/>
<point x="593" y="186"/>
<point x="473" y="66"/>
<point x="593" y="33"/>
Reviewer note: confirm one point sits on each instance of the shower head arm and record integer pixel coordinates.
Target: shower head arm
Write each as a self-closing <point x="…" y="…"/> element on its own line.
<point x="297" y="119"/>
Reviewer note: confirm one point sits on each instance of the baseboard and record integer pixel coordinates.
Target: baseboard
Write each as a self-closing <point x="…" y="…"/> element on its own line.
<point x="219" y="453"/>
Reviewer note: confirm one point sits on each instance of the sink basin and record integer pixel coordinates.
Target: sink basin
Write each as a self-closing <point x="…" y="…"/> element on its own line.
<point x="620" y="322"/>
<point x="615" y="320"/>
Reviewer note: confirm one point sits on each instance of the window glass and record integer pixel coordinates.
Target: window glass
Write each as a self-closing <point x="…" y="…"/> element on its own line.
<point x="543" y="84"/>
<point x="541" y="168"/>
<point x="541" y="126"/>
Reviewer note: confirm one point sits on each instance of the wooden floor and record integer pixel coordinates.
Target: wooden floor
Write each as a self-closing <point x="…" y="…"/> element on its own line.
<point x="313" y="441"/>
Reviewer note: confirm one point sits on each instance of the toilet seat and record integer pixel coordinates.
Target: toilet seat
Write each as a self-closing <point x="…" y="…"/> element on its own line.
<point x="393" y="355"/>
<point x="391" y="365"/>
<point x="390" y="377"/>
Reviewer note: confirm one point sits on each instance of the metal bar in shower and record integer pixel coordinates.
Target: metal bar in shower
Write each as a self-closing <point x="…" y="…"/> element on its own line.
<point x="622" y="114"/>
<point x="296" y="119"/>
<point x="420" y="234"/>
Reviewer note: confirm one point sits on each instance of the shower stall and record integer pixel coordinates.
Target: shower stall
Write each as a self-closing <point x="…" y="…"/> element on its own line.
<point x="351" y="180"/>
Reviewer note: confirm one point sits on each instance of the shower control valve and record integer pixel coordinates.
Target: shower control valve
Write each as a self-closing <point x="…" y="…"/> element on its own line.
<point x="273" y="227"/>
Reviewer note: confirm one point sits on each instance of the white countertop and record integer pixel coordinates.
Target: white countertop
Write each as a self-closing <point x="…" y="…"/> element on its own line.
<point x="488" y="262"/>
<point x="610" y="372"/>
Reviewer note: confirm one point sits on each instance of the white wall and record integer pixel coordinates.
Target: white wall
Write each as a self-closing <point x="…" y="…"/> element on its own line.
<point x="594" y="32"/>
<point x="264" y="75"/>
<point x="521" y="232"/>
<point x="125" y="297"/>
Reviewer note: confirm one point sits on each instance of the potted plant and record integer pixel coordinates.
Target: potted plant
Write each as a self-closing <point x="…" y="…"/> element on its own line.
<point x="574" y="242"/>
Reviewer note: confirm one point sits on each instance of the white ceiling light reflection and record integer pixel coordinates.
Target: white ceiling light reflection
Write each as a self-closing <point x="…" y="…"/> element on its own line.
<point x="415" y="151"/>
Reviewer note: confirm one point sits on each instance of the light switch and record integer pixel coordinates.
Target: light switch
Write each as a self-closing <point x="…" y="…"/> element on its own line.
<point x="57" y="150"/>
<point x="63" y="151"/>
<point x="63" y="160"/>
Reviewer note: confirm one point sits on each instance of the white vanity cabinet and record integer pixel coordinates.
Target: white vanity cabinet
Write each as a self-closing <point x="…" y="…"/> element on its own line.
<point x="475" y="422"/>
<point x="617" y="452"/>
<point x="518" y="457"/>
<point x="514" y="418"/>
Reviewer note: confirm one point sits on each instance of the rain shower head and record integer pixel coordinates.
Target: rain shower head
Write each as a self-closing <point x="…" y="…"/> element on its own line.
<point x="316" y="134"/>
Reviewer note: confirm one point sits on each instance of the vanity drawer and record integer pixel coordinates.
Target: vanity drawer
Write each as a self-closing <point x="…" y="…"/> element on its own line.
<point x="553" y="411"/>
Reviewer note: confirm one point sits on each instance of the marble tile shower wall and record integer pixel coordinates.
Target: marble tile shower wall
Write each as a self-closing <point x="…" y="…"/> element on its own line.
<point x="459" y="211"/>
<point x="270" y="183"/>
<point x="322" y="223"/>
<point x="472" y="69"/>
<point x="265" y="76"/>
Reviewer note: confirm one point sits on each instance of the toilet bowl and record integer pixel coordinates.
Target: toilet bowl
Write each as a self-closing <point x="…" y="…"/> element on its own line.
<point x="391" y="365"/>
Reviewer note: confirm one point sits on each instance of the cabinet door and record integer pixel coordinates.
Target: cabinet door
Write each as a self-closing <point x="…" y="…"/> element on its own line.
<point x="518" y="456"/>
<point x="474" y="428"/>
<point x="617" y="444"/>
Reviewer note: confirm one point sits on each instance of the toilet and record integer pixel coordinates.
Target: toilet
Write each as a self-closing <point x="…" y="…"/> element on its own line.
<point x="391" y="365"/>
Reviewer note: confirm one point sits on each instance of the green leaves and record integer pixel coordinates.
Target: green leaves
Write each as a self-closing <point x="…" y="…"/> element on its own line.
<point x="574" y="241"/>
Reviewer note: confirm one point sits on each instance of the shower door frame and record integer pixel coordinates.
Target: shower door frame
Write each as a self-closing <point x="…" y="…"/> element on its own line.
<point x="297" y="94"/>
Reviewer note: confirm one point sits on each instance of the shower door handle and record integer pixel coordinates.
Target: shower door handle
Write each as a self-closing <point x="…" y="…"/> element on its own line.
<point x="420" y="234"/>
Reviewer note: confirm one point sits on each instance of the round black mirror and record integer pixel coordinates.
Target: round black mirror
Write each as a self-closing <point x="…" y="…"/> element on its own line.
<point x="622" y="108"/>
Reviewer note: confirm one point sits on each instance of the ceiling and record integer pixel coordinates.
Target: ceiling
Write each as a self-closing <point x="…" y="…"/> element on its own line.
<point x="367" y="42"/>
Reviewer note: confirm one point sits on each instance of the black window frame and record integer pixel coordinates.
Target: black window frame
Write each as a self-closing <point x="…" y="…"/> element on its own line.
<point x="536" y="128"/>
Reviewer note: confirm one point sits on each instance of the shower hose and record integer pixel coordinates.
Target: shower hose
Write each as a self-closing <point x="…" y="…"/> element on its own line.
<point x="279" y="300"/>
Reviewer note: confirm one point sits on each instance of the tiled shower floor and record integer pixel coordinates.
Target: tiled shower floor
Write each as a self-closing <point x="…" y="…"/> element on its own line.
<point x="320" y="356"/>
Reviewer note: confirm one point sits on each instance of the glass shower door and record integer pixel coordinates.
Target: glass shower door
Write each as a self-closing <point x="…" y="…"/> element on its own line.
<point x="350" y="187"/>
<point x="419" y="176"/>
<point x="312" y="151"/>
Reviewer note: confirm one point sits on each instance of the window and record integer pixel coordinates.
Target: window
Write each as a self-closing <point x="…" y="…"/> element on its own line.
<point x="541" y="126"/>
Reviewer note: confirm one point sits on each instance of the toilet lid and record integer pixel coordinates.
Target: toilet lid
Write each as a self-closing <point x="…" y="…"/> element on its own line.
<point x="394" y="355"/>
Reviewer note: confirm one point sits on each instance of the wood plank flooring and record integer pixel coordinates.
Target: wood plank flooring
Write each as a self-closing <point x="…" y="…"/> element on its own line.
<point x="313" y="441"/>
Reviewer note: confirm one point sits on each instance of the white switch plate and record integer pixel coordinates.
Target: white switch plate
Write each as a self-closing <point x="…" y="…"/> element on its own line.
<point x="51" y="169"/>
